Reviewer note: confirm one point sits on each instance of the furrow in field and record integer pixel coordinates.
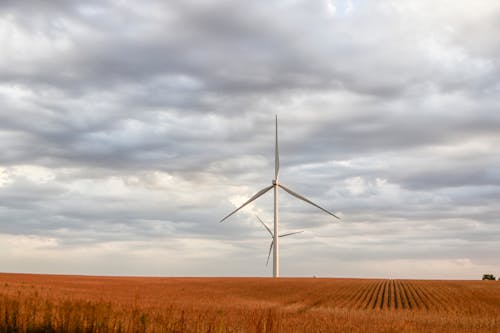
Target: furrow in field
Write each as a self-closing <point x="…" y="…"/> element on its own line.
<point x="365" y="296"/>
<point x="336" y="297"/>
<point x="445" y="295"/>
<point x="418" y="300"/>
<point x="397" y="303"/>
<point x="356" y="298"/>
<point x="383" y="297"/>
<point x="434" y="292"/>
<point x="389" y="294"/>
<point x="353" y="301"/>
<point x="427" y="297"/>
<point x="432" y="295"/>
<point x="369" y="296"/>
<point x="394" y="303"/>
<point x="373" y="294"/>
<point x="402" y="299"/>
<point x="409" y="296"/>
<point x="344" y="297"/>
<point x="377" y="295"/>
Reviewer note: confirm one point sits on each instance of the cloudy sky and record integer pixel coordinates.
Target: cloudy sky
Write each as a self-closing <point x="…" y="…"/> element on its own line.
<point x="129" y="129"/>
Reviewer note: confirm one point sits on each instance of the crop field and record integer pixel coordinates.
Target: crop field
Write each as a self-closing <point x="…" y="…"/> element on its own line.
<point x="51" y="303"/>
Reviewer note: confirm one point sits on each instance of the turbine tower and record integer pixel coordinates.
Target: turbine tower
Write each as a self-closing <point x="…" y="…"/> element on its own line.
<point x="275" y="184"/>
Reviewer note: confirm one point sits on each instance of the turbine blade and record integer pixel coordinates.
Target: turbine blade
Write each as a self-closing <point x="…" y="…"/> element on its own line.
<point x="265" y="226"/>
<point x="291" y="233"/>
<point x="270" y="249"/>
<point x="256" y="195"/>
<point x="276" y="154"/>
<point x="307" y="200"/>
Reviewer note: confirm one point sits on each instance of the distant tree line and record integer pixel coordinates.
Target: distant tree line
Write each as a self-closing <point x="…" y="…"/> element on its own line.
<point x="489" y="277"/>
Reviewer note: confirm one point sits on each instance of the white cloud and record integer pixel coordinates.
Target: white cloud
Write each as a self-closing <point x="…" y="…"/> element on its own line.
<point x="4" y="176"/>
<point x="331" y="9"/>
<point x="25" y="245"/>
<point x="21" y="48"/>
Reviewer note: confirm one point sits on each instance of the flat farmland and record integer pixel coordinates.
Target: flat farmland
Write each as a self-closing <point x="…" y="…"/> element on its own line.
<point x="52" y="303"/>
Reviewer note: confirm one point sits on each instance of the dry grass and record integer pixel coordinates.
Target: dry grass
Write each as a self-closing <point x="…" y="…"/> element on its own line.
<point x="48" y="303"/>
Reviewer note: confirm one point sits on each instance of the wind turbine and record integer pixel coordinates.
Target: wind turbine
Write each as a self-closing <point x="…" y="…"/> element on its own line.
<point x="272" y="237"/>
<point x="275" y="185"/>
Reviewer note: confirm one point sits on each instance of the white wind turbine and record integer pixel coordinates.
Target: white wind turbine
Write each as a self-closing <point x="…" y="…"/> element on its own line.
<point x="272" y="237"/>
<point x="275" y="185"/>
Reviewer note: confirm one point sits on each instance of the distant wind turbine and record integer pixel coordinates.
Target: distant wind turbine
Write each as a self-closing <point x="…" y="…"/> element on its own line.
<point x="272" y="237"/>
<point x="275" y="185"/>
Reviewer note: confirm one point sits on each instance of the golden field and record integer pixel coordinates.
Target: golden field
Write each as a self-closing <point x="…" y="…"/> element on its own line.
<point x="51" y="303"/>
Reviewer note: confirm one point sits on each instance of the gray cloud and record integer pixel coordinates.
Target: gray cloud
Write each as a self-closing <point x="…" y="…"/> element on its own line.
<point x="131" y="129"/>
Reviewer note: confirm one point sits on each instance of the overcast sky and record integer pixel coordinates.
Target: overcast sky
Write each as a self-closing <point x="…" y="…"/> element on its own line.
<point x="129" y="129"/>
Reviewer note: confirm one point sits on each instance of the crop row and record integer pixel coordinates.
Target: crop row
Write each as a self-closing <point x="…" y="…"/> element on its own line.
<point x="414" y="295"/>
<point x="394" y="294"/>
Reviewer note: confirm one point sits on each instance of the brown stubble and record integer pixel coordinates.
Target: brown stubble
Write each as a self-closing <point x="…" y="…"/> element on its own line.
<point x="30" y="303"/>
